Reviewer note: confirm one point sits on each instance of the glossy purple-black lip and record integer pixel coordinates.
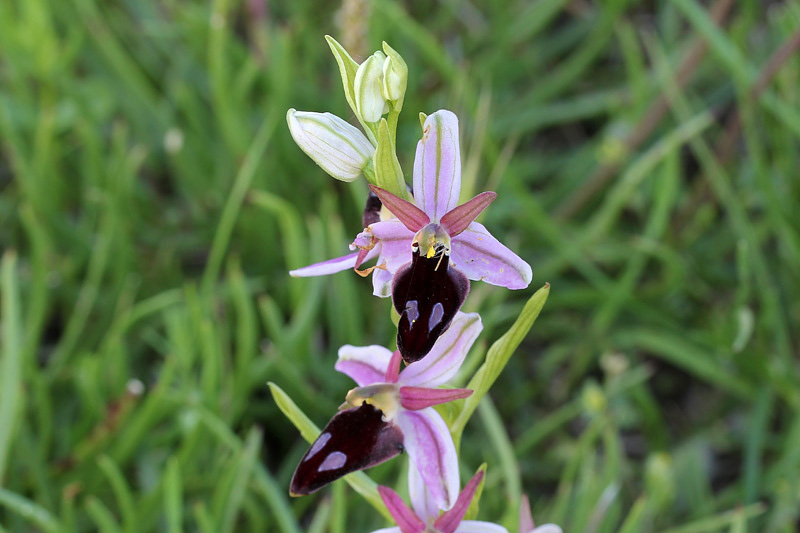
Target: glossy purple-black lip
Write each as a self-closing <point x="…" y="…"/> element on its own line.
<point x="427" y="293"/>
<point x="353" y="440"/>
<point x="372" y="210"/>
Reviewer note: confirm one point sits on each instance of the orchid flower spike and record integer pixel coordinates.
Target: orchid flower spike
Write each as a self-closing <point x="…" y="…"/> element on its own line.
<point x="424" y="519"/>
<point x="391" y="411"/>
<point x="435" y="221"/>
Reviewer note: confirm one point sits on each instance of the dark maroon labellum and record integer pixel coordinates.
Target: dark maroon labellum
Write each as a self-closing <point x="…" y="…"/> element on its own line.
<point x="354" y="439"/>
<point x="427" y="294"/>
<point x="372" y="211"/>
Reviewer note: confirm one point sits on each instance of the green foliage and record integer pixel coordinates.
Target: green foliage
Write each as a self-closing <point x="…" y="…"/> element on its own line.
<point x="152" y="202"/>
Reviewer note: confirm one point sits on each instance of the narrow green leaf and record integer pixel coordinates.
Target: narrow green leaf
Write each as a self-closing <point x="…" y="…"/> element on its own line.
<point x="497" y="357"/>
<point x="122" y="492"/>
<point x="234" y="496"/>
<point x="173" y="496"/>
<point x="11" y="397"/>
<point x="347" y="68"/>
<point x="359" y="481"/>
<point x="28" y="510"/>
<point x="252" y="160"/>
<point x="101" y="516"/>
<point x="388" y="174"/>
<point x="714" y="523"/>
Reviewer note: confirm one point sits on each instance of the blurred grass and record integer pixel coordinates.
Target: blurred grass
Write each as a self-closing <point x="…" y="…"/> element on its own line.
<point x="152" y="201"/>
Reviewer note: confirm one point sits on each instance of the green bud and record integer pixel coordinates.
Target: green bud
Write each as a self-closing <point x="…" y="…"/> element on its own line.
<point x="395" y="77"/>
<point x="370" y="102"/>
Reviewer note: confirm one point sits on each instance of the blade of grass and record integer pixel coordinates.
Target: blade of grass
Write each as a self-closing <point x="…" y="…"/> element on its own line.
<point x="11" y="384"/>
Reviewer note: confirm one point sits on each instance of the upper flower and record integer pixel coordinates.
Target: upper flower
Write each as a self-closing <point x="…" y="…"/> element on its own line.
<point x="406" y="399"/>
<point x="434" y="213"/>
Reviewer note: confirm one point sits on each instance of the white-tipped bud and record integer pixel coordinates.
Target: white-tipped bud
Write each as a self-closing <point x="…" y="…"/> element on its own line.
<point x="370" y="102"/>
<point x="338" y="147"/>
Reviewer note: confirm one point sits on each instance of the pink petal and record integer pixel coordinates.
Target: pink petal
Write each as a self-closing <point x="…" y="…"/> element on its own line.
<point x="393" y="368"/>
<point x="410" y="215"/>
<point x="446" y="356"/>
<point x="449" y="521"/>
<point x="483" y="258"/>
<point x="363" y="364"/>
<point x="475" y="526"/>
<point x="388" y="530"/>
<point x="437" y="165"/>
<point x="416" y="398"/>
<point x="430" y="446"/>
<point x="421" y="498"/>
<point x="403" y="516"/>
<point x="525" y="519"/>
<point x="457" y="220"/>
<point x="382" y="283"/>
<point x="331" y="266"/>
<point x="395" y="243"/>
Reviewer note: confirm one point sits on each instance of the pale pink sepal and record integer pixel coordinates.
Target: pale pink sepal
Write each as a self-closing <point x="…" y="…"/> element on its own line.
<point x="410" y="215"/>
<point x="393" y="369"/>
<point x="447" y="355"/>
<point x="475" y="526"/>
<point x="421" y="499"/>
<point x="416" y="398"/>
<point x="525" y="518"/>
<point x="431" y="448"/>
<point x="437" y="165"/>
<point x="407" y="519"/>
<point x="382" y="283"/>
<point x="331" y="266"/>
<point x="363" y="364"/>
<point x="457" y="220"/>
<point x="449" y="520"/>
<point x="481" y="257"/>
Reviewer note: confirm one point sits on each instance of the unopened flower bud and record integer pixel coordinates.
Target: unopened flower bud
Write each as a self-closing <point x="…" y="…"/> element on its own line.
<point x="370" y="102"/>
<point x="338" y="147"/>
<point x="395" y="77"/>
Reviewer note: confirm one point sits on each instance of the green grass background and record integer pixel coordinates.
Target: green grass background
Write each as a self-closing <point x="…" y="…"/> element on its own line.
<point x="152" y="201"/>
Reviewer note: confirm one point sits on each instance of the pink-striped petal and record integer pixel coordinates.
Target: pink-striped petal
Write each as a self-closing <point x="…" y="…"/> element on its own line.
<point x="363" y="364"/>
<point x="331" y="266"/>
<point x="481" y="257"/>
<point x="437" y="165"/>
<point x="417" y="398"/>
<point x="430" y="446"/>
<point x="410" y="215"/>
<point x="408" y="521"/>
<point x="393" y="369"/>
<point x="475" y="526"/>
<point x="457" y="220"/>
<point x="449" y="521"/>
<point x="421" y="499"/>
<point x="446" y="356"/>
